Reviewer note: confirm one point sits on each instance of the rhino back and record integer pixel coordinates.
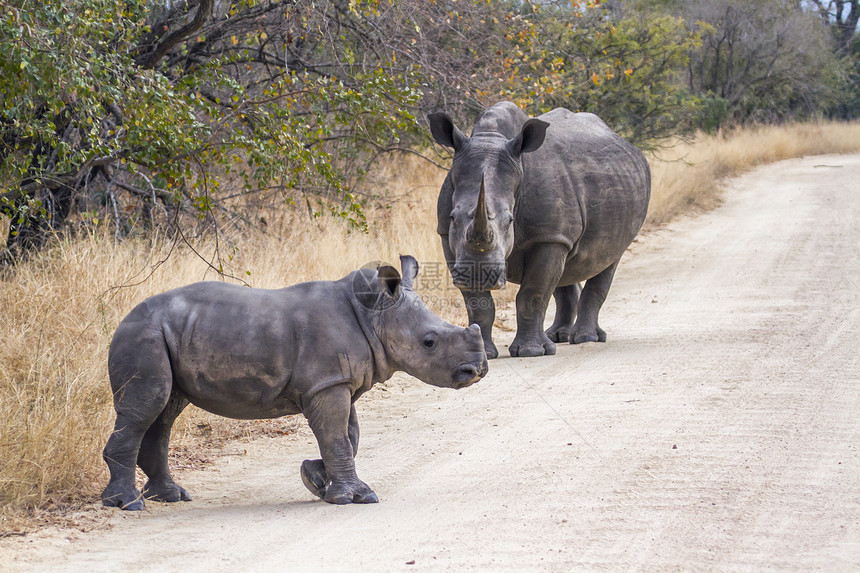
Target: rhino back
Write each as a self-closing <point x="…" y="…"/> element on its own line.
<point x="585" y="187"/>
<point x="252" y="353"/>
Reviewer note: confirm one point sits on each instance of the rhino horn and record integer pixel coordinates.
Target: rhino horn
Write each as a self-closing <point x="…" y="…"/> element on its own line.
<point x="480" y="236"/>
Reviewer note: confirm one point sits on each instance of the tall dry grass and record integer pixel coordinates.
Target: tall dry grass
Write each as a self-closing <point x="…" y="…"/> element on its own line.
<point x="58" y="311"/>
<point x="687" y="175"/>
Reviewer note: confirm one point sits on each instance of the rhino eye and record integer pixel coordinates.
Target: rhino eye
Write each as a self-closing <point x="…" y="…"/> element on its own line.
<point x="430" y="341"/>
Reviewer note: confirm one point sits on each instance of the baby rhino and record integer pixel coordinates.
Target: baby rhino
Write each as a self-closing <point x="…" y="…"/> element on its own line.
<point x="312" y="348"/>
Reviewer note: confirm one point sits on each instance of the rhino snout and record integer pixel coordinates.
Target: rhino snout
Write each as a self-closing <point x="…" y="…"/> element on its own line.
<point x="468" y="373"/>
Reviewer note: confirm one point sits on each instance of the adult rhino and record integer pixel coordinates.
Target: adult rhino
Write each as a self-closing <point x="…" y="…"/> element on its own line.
<point x="545" y="203"/>
<point x="312" y="348"/>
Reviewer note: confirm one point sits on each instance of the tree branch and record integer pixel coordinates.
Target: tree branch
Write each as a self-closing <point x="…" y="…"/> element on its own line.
<point x="204" y="12"/>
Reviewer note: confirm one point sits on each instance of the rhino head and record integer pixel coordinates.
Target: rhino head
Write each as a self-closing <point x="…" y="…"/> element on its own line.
<point x="412" y="338"/>
<point x="485" y="177"/>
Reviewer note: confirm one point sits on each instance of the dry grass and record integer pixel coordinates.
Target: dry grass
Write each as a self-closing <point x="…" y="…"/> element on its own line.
<point x="687" y="176"/>
<point x="58" y="311"/>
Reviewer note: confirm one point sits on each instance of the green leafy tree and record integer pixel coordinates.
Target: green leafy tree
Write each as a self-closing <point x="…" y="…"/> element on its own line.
<point x="199" y="114"/>
<point x="847" y="104"/>
<point x="189" y="110"/>
<point x="584" y="55"/>
<point x="842" y="16"/>
<point x="623" y="66"/>
<point x="759" y="60"/>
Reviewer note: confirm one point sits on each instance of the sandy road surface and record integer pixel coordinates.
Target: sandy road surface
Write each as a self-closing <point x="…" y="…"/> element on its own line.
<point x="718" y="429"/>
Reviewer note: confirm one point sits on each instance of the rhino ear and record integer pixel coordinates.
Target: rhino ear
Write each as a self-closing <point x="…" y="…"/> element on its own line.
<point x="529" y="138"/>
<point x="409" y="266"/>
<point x="389" y="280"/>
<point x="445" y="132"/>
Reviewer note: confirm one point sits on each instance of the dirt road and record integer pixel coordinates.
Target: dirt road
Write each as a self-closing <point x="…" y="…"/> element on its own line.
<point x="717" y="429"/>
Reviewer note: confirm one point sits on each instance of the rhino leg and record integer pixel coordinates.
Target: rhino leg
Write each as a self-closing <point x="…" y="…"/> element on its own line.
<point x="593" y="295"/>
<point x="566" y="298"/>
<point x="543" y="268"/>
<point x="313" y="472"/>
<point x="152" y="457"/>
<point x="141" y="383"/>
<point x="482" y="311"/>
<point x="120" y="454"/>
<point x="328" y="414"/>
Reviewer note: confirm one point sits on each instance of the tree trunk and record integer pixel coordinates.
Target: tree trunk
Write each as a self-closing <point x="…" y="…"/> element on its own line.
<point x="29" y="231"/>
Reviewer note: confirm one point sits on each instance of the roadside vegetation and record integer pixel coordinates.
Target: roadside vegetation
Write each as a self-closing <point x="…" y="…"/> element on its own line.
<point x="268" y="143"/>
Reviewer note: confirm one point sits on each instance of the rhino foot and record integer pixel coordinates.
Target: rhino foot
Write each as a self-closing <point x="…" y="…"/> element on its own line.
<point x="490" y="349"/>
<point x="596" y="335"/>
<point x="316" y="480"/>
<point x="166" y="491"/>
<point x="558" y="334"/>
<point x="344" y="493"/>
<point x="126" y="499"/>
<point x="529" y="349"/>
<point x="314" y="477"/>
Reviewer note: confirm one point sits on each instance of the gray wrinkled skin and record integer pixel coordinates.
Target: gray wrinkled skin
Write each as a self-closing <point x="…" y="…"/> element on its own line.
<point x="545" y="203"/>
<point x="312" y="348"/>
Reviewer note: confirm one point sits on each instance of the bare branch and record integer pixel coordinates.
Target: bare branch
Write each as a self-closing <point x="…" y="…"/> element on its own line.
<point x="148" y="60"/>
